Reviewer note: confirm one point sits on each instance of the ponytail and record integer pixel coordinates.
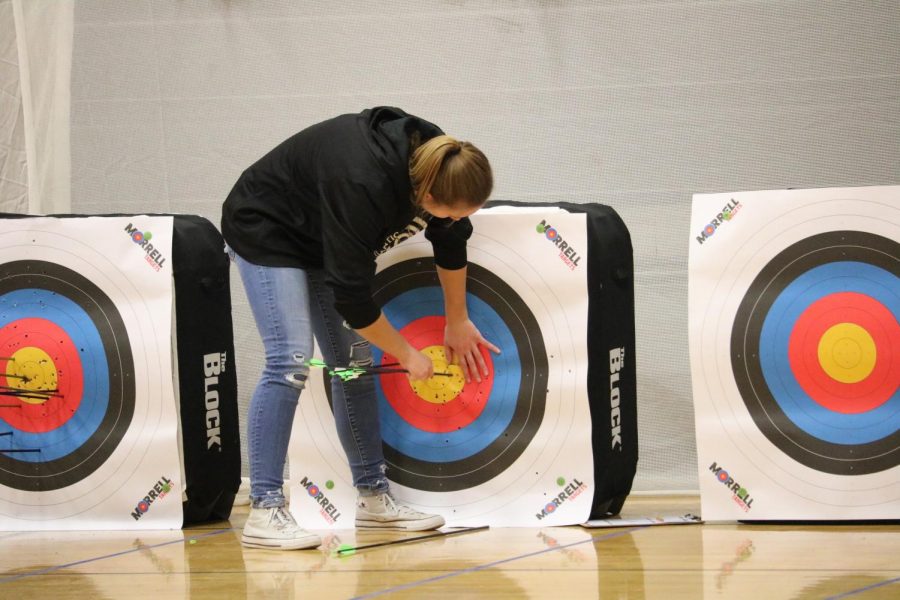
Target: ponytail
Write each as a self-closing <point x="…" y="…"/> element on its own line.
<point x="453" y="172"/>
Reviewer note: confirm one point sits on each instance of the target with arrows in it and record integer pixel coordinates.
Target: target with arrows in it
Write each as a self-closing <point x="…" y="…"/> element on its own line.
<point x="444" y="434"/>
<point x="795" y="305"/>
<point x="489" y="452"/>
<point x="87" y="408"/>
<point x="68" y="375"/>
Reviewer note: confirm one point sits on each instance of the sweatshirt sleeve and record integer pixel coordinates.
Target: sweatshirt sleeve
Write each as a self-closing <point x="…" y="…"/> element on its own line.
<point x="350" y="227"/>
<point x="448" y="239"/>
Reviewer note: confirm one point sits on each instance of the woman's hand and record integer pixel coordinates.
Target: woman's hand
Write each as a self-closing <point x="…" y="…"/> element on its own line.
<point x="461" y="341"/>
<point x="419" y="366"/>
<point x="382" y="334"/>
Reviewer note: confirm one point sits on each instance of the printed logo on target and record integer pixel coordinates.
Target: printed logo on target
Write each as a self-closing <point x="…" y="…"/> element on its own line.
<point x="616" y="364"/>
<point x="740" y="495"/>
<point x="327" y="509"/>
<point x="152" y="255"/>
<point x="157" y="492"/>
<point x="566" y="252"/>
<point x="213" y="366"/>
<point x="727" y="213"/>
<point x="569" y="492"/>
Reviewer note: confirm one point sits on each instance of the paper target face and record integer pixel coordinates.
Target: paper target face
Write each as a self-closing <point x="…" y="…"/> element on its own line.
<point x="815" y="351"/>
<point x="87" y="423"/>
<point x="483" y="452"/>
<point x="65" y="351"/>
<point x="795" y="346"/>
<point x="448" y="436"/>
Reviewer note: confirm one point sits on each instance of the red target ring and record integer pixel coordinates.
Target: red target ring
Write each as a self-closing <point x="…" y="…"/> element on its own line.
<point x="435" y="414"/>
<point x="879" y="327"/>
<point x="44" y="359"/>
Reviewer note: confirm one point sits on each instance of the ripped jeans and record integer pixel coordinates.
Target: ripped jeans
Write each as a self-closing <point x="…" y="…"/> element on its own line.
<point x="289" y="306"/>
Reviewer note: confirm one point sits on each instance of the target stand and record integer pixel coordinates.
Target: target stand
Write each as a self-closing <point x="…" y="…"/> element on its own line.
<point x="550" y="436"/>
<point x="795" y="348"/>
<point x="95" y="433"/>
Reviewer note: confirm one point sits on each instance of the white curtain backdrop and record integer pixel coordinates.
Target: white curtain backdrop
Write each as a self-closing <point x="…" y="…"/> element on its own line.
<point x="35" y="99"/>
<point x="636" y="104"/>
<point x="13" y="170"/>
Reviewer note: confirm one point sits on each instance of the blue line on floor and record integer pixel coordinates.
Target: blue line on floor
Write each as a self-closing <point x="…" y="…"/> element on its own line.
<point x="122" y="553"/>
<point x="407" y="586"/>
<point x="865" y="589"/>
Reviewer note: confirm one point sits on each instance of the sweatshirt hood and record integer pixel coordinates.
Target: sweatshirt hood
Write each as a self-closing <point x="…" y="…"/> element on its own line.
<point x="390" y="132"/>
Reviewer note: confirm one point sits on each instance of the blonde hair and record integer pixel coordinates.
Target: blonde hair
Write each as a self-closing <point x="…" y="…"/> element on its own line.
<point x="453" y="172"/>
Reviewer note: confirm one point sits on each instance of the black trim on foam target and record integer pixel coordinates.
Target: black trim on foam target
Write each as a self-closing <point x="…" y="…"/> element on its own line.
<point x="532" y="390"/>
<point x="87" y="458"/>
<point x="786" y="267"/>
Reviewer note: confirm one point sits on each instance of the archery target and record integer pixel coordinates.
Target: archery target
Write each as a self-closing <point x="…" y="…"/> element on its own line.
<point x="483" y="452"/>
<point x="815" y="349"/>
<point x="795" y="304"/>
<point x="64" y="345"/>
<point x="87" y="423"/>
<point x="447" y="439"/>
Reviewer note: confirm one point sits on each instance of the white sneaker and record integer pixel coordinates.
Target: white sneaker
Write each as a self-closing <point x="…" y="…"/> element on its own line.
<point x="276" y="528"/>
<point x="383" y="512"/>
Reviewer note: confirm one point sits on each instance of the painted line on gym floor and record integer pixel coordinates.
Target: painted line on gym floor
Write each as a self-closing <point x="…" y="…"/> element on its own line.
<point x="865" y="589"/>
<point x="422" y="582"/>
<point x="114" y="555"/>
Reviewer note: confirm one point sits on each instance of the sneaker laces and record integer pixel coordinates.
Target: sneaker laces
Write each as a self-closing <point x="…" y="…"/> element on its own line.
<point x="282" y="519"/>
<point x="398" y="509"/>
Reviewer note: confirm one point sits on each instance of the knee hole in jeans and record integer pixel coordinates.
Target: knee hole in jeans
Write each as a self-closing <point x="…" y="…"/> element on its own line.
<point x="298" y="378"/>
<point x="361" y="354"/>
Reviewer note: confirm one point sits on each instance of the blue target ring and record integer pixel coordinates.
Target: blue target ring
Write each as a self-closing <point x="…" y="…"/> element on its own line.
<point x="794" y="299"/>
<point x="496" y="416"/>
<point x="66" y="314"/>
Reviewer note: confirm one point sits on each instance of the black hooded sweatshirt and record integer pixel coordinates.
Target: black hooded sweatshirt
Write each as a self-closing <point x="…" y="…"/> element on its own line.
<point x="333" y="197"/>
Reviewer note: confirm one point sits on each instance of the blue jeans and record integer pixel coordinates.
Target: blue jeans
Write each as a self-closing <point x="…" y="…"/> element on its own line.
<point x="290" y="306"/>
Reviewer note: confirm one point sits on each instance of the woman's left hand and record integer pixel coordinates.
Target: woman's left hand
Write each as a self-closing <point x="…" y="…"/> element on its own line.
<point x="461" y="341"/>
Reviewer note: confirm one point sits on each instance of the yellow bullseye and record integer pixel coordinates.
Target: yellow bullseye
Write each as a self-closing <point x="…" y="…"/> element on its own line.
<point x="847" y="353"/>
<point x="36" y="370"/>
<point x="439" y="389"/>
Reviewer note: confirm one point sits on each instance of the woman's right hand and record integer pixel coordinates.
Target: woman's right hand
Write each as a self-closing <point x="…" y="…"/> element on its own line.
<point x="382" y="334"/>
<point x="419" y="366"/>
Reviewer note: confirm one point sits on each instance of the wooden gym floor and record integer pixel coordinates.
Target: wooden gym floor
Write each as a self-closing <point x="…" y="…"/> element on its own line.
<point x="665" y="561"/>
